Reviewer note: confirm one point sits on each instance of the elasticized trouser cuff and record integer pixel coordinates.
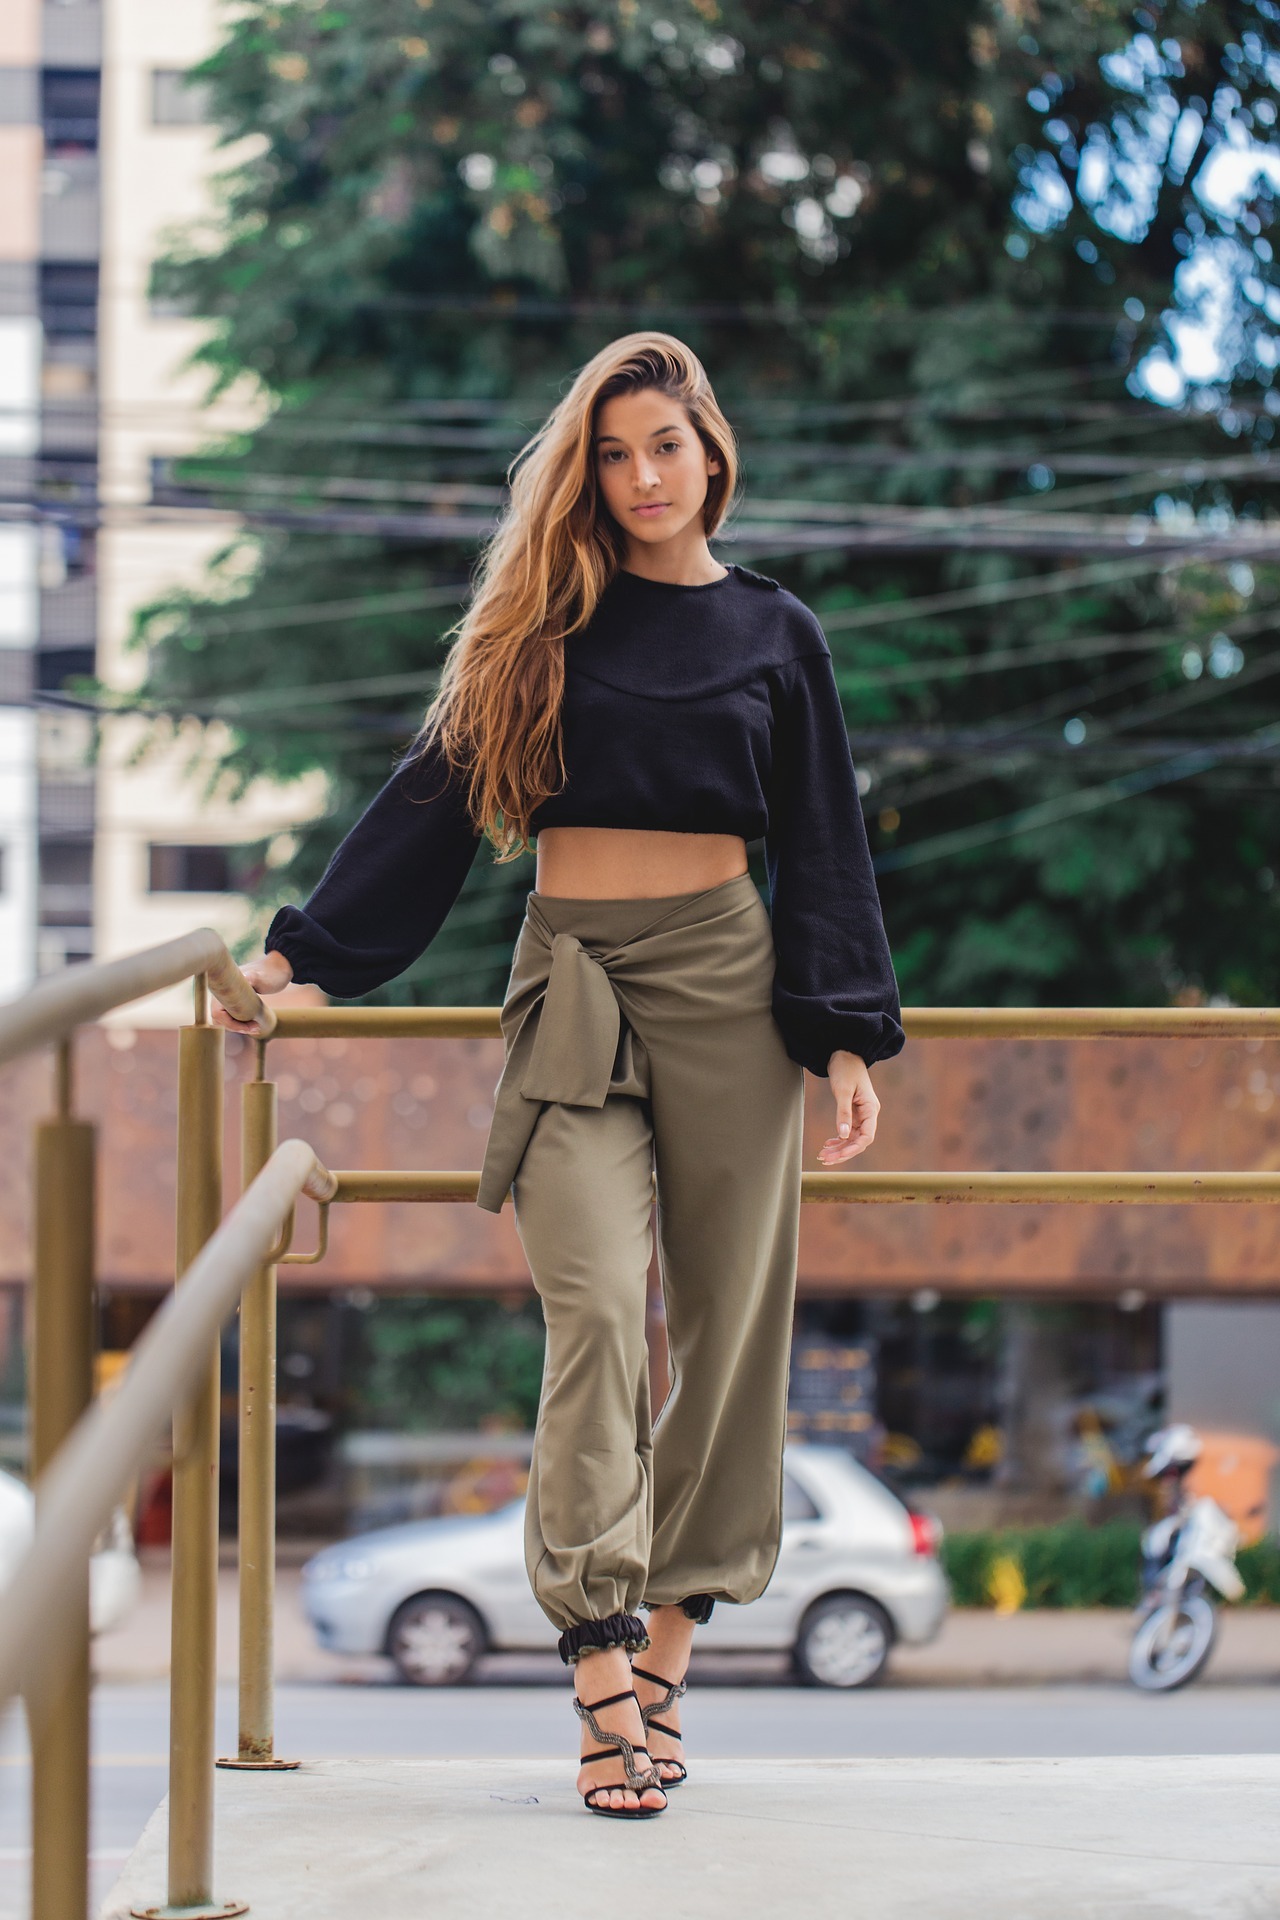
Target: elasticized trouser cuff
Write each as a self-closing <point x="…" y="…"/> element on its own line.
<point x="615" y="1630"/>
<point x="696" y="1608"/>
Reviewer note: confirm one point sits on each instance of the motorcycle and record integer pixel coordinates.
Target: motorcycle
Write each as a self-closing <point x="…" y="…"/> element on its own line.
<point x="1188" y="1558"/>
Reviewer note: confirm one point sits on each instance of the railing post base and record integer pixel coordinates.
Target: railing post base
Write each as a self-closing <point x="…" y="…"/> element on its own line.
<point x="269" y="1765"/>
<point x="219" y="1911"/>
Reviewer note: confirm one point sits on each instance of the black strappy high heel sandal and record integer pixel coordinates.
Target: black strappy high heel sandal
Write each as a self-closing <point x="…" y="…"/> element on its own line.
<point x="639" y="1781"/>
<point x="676" y="1690"/>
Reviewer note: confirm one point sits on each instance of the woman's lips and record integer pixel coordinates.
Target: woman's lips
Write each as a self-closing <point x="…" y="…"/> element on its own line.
<point x="652" y="507"/>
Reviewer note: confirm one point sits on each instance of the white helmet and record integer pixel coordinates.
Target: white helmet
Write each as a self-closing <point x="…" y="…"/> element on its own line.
<point x="1176" y="1446"/>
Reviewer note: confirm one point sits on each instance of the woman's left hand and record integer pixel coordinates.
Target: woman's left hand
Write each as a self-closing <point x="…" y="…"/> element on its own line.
<point x="856" y="1109"/>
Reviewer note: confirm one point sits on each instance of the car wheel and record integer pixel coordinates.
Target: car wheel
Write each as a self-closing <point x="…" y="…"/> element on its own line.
<point x="843" y="1642"/>
<point x="435" y="1640"/>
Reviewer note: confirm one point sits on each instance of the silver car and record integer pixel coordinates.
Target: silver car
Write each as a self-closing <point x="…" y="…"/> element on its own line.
<point x="857" y="1571"/>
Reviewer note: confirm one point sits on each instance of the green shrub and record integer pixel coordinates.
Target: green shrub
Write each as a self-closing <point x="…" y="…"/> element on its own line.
<point x="1260" y="1570"/>
<point x="1076" y="1565"/>
<point x="1071" y="1565"/>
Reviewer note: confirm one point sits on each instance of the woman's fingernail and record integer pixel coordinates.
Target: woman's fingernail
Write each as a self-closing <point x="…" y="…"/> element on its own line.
<point x="844" y="1128"/>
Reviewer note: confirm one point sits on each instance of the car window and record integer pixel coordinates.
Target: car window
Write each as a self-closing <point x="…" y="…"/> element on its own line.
<point x="796" y="1504"/>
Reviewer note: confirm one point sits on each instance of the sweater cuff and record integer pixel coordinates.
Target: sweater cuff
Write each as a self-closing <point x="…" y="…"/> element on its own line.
<point x="811" y="1038"/>
<point x="281" y="939"/>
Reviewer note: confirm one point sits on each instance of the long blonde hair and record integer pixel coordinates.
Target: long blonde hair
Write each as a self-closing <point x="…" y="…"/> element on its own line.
<point x="496" y="715"/>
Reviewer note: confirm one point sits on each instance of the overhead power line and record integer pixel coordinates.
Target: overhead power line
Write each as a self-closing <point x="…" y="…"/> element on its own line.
<point x="1048" y="813"/>
<point x="1007" y="659"/>
<point x="638" y="311"/>
<point x="993" y="593"/>
<point x="239" y="490"/>
<point x="983" y="761"/>
<point x="982" y="766"/>
<point x="883" y="532"/>
<point x="304" y="614"/>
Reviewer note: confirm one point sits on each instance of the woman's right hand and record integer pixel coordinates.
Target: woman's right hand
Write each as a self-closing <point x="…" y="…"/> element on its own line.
<point x="271" y="974"/>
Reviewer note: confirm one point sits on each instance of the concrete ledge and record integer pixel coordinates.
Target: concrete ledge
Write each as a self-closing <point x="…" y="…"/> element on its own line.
<point x="1113" y="1839"/>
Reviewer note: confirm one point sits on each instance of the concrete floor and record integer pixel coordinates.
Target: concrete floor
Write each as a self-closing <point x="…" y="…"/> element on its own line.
<point x="531" y="1721"/>
<point x="1084" y="1839"/>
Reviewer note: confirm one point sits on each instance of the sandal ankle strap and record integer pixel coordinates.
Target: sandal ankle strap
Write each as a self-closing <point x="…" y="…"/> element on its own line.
<point x="629" y="1693"/>
<point x="678" y="1687"/>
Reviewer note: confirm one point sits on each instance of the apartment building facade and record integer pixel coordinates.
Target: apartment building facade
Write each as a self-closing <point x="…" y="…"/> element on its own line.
<point x="103" y="147"/>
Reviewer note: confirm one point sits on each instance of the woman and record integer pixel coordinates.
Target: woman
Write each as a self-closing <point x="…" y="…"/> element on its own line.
<point x="644" y="711"/>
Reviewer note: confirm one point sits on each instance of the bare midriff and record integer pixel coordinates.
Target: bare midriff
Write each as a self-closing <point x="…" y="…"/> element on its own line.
<point x="633" y="863"/>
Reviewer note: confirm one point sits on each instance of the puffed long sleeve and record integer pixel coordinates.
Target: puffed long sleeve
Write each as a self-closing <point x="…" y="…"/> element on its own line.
<point x="386" y="891"/>
<point x="834" y="984"/>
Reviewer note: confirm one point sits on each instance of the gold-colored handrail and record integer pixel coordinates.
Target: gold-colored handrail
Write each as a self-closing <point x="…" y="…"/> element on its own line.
<point x="76" y="995"/>
<point x="80" y="1488"/>
<point x="919" y="1023"/>
<point x="886" y="1189"/>
<point x="61" y="1392"/>
<point x="94" y="1466"/>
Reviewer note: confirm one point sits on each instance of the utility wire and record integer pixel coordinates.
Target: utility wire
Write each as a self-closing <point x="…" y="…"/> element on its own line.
<point x="1009" y="659"/>
<point x="1048" y="813"/>
<point x="1105" y="728"/>
<point x="410" y="600"/>
<point x="908" y="531"/>
<point x="956" y="778"/>
<point x="995" y="593"/>
<point x="262" y="700"/>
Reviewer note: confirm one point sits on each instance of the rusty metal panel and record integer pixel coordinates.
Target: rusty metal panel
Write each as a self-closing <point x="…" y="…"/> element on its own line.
<point x="947" y="1105"/>
<point x="1081" y="1104"/>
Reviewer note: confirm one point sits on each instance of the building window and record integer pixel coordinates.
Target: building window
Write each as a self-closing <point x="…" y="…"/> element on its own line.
<point x="69" y="109"/>
<point x="177" y="101"/>
<point x="69" y="297"/>
<point x="66" y="863"/>
<point x="186" y="869"/>
<point x="56" y="665"/>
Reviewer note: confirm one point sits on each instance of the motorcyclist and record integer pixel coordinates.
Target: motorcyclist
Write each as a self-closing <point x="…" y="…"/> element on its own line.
<point x="1171" y="1454"/>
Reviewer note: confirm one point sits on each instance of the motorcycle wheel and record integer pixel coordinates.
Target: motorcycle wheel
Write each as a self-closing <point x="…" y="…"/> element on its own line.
<point x="1172" y="1644"/>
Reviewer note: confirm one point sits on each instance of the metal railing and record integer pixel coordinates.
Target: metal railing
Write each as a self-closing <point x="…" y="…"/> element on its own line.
<point x="84" y="1455"/>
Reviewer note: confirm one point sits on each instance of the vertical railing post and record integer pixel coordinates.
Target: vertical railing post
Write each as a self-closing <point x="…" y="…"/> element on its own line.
<point x="255" y="1748"/>
<point x="61" y="1389"/>
<point x="193" y="1665"/>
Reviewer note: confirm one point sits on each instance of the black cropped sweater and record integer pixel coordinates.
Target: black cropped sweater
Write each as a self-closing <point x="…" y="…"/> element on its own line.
<point x="687" y="709"/>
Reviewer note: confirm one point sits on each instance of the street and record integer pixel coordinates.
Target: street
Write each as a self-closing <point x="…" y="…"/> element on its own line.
<point x="724" y="1718"/>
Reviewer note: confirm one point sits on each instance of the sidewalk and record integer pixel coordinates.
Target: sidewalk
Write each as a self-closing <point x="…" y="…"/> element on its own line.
<point x="1151" y="1839"/>
<point x="975" y="1648"/>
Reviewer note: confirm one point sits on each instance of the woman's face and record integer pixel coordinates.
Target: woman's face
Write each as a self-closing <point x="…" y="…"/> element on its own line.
<point x="652" y="467"/>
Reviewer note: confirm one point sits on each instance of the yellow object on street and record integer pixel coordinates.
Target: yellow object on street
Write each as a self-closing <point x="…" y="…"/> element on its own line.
<point x="1006" y="1585"/>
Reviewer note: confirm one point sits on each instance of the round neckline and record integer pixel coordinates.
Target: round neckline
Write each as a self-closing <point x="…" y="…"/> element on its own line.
<point x="679" y="586"/>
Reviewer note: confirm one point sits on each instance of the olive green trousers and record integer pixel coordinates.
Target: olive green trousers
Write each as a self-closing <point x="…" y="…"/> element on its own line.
<point x="643" y="1061"/>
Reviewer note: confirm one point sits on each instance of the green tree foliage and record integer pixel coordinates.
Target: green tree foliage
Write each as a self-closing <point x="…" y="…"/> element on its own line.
<point x="444" y="1363"/>
<point x="936" y="261"/>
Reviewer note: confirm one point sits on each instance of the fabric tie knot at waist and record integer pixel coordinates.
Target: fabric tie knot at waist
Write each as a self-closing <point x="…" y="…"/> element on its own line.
<point x="579" y="1025"/>
<point x="572" y="1010"/>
